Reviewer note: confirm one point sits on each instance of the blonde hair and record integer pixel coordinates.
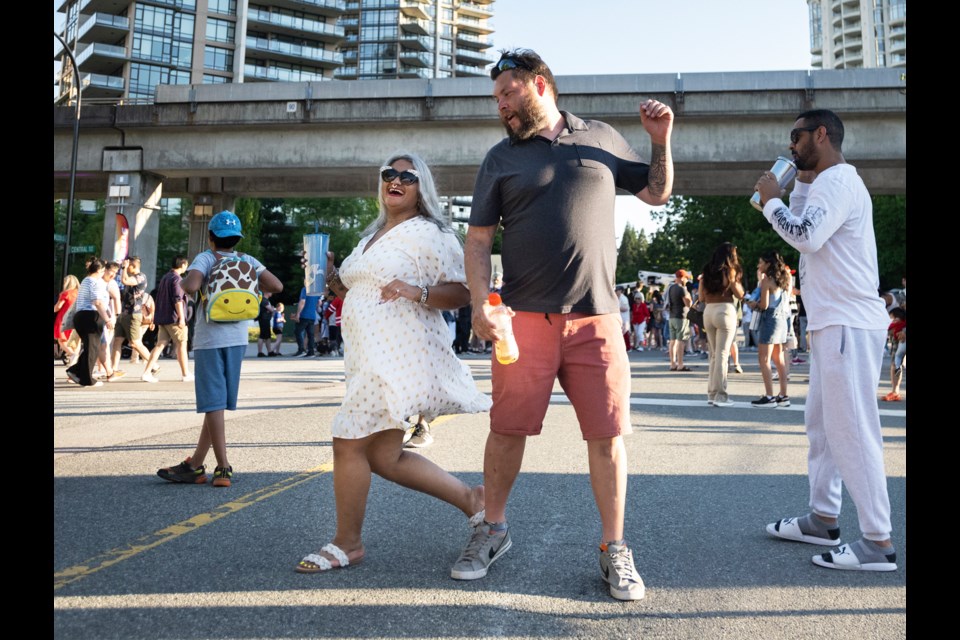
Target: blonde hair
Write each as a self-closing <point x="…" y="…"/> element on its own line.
<point x="70" y="282"/>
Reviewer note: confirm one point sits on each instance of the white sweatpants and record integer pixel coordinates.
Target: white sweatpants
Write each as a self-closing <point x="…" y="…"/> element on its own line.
<point x="843" y="426"/>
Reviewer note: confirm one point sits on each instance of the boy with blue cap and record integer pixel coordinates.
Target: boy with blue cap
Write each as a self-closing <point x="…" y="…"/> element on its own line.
<point x="218" y="349"/>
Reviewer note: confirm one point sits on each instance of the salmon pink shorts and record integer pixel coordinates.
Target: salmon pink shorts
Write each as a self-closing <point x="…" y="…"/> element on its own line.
<point x="585" y="353"/>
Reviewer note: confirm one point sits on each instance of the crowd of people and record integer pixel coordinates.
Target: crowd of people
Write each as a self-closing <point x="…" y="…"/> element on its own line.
<point x="387" y="299"/>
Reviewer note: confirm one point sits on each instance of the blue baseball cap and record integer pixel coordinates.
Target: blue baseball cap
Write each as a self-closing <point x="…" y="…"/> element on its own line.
<point x="225" y="225"/>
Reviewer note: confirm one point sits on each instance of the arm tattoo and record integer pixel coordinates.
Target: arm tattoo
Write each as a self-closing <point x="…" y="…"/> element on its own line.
<point x="657" y="175"/>
<point x="336" y="285"/>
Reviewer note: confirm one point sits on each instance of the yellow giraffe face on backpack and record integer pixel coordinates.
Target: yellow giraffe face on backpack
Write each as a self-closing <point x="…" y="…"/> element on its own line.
<point x="232" y="290"/>
<point x="234" y="305"/>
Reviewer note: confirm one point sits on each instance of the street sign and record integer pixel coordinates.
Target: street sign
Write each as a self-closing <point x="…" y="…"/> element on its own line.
<point x="85" y="248"/>
<point x="60" y="237"/>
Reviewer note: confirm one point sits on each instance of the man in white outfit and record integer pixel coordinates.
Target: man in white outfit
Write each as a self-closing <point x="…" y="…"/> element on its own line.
<point x="830" y="222"/>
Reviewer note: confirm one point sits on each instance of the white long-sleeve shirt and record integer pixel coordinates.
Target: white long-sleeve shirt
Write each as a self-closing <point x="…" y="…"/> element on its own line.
<point x="830" y="222"/>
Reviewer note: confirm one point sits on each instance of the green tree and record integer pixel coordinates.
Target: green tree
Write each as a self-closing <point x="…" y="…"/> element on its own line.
<point x="631" y="256"/>
<point x="890" y="227"/>
<point x="248" y="210"/>
<point x="281" y="243"/>
<point x="282" y="223"/>
<point x="664" y="253"/>
<point x="86" y="229"/>
<point x="702" y="223"/>
<point x="173" y="236"/>
<point x="694" y="226"/>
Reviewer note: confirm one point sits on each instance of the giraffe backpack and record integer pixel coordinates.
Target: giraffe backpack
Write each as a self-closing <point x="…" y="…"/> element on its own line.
<point x="232" y="292"/>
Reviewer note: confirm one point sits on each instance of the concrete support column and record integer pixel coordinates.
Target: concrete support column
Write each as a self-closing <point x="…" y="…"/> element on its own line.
<point x="136" y="197"/>
<point x="208" y="200"/>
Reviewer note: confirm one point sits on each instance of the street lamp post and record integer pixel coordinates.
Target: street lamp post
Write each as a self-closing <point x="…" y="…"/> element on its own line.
<point x="73" y="158"/>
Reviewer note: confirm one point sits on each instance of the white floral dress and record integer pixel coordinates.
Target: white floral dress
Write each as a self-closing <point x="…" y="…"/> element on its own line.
<point x="398" y="358"/>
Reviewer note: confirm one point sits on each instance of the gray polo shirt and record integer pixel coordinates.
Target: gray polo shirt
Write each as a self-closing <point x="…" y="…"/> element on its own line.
<point x="555" y="201"/>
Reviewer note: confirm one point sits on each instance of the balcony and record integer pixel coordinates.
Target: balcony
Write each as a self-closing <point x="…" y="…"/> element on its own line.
<point x="97" y="85"/>
<point x="412" y="25"/>
<point x="467" y="70"/>
<point x="416" y="44"/>
<point x="475" y="10"/>
<point x="103" y="27"/>
<point x="415" y="59"/>
<point x="94" y="6"/>
<point x="261" y="48"/>
<point x="467" y="56"/>
<point x="288" y="25"/>
<point x="411" y="72"/>
<point x="474" y="25"/>
<point x="853" y="59"/>
<point x="276" y="74"/>
<point x="101" y="58"/>
<point x="851" y="9"/>
<point x="414" y="9"/>
<point x="327" y="8"/>
<point x="472" y="40"/>
<point x="345" y="73"/>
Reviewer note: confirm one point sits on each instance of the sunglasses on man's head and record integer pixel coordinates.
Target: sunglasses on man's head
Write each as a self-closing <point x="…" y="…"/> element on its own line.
<point x="408" y="177"/>
<point x="506" y="64"/>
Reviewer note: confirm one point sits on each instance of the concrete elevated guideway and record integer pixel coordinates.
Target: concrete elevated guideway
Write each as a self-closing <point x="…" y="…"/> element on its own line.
<point x="326" y="138"/>
<point x="217" y="142"/>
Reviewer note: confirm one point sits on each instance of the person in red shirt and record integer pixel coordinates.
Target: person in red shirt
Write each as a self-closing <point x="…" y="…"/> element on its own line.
<point x="334" y="312"/>
<point x="897" y="334"/>
<point x="639" y="313"/>
<point x="68" y="295"/>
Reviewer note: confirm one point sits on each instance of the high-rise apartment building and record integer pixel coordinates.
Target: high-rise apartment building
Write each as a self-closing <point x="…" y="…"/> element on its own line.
<point x="848" y="34"/>
<point x="124" y="49"/>
<point x="415" y="39"/>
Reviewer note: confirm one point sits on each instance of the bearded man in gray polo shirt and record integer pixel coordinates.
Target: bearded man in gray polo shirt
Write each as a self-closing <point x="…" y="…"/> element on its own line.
<point x="552" y="185"/>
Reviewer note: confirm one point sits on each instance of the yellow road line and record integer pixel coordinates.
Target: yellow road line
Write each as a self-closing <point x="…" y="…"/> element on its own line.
<point x="147" y="542"/>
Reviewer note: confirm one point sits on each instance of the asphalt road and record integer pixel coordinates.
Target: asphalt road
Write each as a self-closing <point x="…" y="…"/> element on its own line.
<point x="136" y="557"/>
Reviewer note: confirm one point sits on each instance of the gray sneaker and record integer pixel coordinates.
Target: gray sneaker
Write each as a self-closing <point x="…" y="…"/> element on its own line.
<point x="481" y="551"/>
<point x="616" y="567"/>
<point x="418" y="436"/>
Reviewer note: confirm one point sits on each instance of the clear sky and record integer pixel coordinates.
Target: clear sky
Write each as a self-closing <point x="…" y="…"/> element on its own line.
<point x="578" y="37"/>
<point x="642" y="36"/>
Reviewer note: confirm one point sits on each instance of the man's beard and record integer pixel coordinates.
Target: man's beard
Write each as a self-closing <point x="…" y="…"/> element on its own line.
<point x="803" y="160"/>
<point x="530" y="116"/>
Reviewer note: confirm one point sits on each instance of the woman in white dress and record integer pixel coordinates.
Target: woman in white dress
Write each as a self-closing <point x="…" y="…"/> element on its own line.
<point x="406" y="269"/>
